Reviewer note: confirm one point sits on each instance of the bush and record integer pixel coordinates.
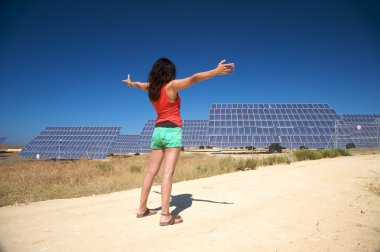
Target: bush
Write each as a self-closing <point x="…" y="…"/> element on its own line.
<point x="251" y="163"/>
<point x="269" y="160"/>
<point x="318" y="154"/>
<point x="245" y="164"/>
<point x="283" y="160"/>
<point x="135" y="168"/>
<point x="343" y="152"/>
<point x="240" y="165"/>
<point x="307" y="155"/>
<point x="328" y="153"/>
<point x="276" y="160"/>
<point x="227" y="162"/>
<point x="104" y="167"/>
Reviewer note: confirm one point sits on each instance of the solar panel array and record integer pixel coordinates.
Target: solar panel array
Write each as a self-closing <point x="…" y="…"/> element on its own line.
<point x="72" y="143"/>
<point x="362" y="130"/>
<point x="2" y="140"/>
<point x="228" y="126"/>
<point x="259" y="125"/>
<point x="126" y="144"/>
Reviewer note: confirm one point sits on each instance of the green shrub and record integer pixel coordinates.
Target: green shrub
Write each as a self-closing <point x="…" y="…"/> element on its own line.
<point x="343" y="152"/>
<point x="226" y="163"/>
<point x="269" y="160"/>
<point x="318" y="154"/>
<point x="328" y="153"/>
<point x="301" y="154"/>
<point x="240" y="165"/>
<point x="251" y="163"/>
<point x="135" y="168"/>
<point x="307" y="155"/>
<point x="315" y="155"/>
<point x="276" y="160"/>
<point x="282" y="160"/>
<point x="104" y="167"/>
<point x="334" y="153"/>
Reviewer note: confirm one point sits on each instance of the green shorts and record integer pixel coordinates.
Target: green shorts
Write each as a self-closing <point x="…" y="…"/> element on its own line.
<point x="166" y="138"/>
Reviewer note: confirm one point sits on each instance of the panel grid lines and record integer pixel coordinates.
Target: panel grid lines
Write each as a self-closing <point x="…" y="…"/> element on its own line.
<point x="362" y="130"/>
<point x="229" y="125"/>
<point x="72" y="143"/>
<point x="259" y="125"/>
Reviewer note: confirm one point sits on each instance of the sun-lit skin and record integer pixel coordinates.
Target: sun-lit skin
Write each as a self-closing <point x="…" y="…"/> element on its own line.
<point x="170" y="155"/>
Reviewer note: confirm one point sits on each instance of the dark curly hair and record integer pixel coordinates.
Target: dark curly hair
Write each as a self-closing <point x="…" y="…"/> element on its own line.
<point x="162" y="72"/>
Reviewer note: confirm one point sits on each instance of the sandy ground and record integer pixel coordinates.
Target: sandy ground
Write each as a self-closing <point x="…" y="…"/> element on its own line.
<point x="323" y="205"/>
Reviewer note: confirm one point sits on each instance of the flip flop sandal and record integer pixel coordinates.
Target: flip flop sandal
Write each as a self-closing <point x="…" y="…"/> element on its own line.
<point x="147" y="212"/>
<point x="173" y="220"/>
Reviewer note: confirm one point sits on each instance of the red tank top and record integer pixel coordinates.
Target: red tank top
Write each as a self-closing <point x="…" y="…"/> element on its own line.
<point x="167" y="110"/>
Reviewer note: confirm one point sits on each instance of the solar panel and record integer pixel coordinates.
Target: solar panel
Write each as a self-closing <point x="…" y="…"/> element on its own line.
<point x="259" y="125"/>
<point x="360" y="129"/>
<point x="228" y="126"/>
<point x="2" y="140"/>
<point x="195" y="133"/>
<point x="126" y="144"/>
<point x="72" y="143"/>
<point x="146" y="136"/>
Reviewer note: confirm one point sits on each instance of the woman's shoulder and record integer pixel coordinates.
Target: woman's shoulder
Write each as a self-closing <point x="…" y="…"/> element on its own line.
<point x="169" y="84"/>
<point x="170" y="91"/>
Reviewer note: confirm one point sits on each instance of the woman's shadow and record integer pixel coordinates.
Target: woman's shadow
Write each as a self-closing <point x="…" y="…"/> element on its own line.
<point x="184" y="201"/>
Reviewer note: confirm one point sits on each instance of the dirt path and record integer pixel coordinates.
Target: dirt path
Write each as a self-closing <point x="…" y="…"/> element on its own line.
<point x="323" y="205"/>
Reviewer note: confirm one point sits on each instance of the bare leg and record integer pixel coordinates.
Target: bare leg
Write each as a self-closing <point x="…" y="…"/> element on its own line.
<point x="171" y="157"/>
<point x="154" y="166"/>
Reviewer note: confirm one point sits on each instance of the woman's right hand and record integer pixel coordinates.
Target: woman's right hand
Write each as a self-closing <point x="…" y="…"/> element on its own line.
<point x="128" y="81"/>
<point x="223" y="69"/>
<point x="136" y="84"/>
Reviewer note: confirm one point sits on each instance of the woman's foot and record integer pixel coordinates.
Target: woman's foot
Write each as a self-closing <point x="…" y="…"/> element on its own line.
<point x="145" y="212"/>
<point x="168" y="219"/>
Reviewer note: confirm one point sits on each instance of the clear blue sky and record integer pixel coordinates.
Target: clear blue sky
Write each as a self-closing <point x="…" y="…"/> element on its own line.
<point x="62" y="62"/>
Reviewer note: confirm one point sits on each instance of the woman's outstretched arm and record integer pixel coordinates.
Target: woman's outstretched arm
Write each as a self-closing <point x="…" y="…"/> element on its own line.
<point x="142" y="85"/>
<point x="221" y="69"/>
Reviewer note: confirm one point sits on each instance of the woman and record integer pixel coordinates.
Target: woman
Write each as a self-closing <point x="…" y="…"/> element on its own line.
<point x="166" y="144"/>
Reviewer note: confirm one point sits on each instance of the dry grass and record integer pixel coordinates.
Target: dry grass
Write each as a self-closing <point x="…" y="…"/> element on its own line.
<point x="24" y="181"/>
<point x="363" y="151"/>
<point x="318" y="154"/>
